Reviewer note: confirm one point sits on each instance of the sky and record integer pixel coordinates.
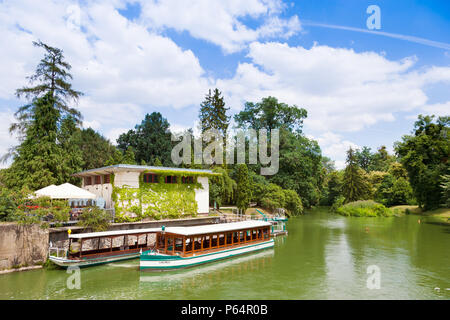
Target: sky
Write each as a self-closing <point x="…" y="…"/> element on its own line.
<point x="360" y="86"/>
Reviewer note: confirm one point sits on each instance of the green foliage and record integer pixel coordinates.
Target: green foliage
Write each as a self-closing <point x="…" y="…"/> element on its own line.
<point x="300" y="167"/>
<point x="150" y="140"/>
<point x="365" y="208"/>
<point x="38" y="210"/>
<point x="129" y="157"/>
<point x="213" y="113"/>
<point x="47" y="153"/>
<point x="96" y="150"/>
<point x="338" y="202"/>
<point x="424" y="155"/>
<point x="156" y="200"/>
<point x="95" y="219"/>
<point x="39" y="160"/>
<point x="221" y="187"/>
<point x="274" y="197"/>
<point x="445" y="185"/>
<point x="8" y="206"/>
<point x="243" y="189"/>
<point x="293" y="203"/>
<point x="271" y="114"/>
<point x="355" y="183"/>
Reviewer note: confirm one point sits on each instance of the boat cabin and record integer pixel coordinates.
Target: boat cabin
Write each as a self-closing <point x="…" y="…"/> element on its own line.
<point x="97" y="244"/>
<point x="189" y="241"/>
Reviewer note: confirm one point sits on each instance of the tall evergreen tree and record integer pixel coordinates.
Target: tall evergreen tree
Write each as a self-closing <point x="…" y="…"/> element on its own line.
<point x="39" y="160"/>
<point x="213" y="113"/>
<point x="50" y="78"/>
<point x="355" y="186"/>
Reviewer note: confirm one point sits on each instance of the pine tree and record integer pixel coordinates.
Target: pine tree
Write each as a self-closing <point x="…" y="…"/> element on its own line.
<point x="39" y="160"/>
<point x="213" y="113"/>
<point x="355" y="186"/>
<point x="51" y="76"/>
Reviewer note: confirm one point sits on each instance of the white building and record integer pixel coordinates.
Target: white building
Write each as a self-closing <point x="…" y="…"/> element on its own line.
<point x="103" y="181"/>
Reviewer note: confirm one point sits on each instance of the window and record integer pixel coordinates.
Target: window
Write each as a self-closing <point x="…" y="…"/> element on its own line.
<point x="106" y="178"/>
<point x="171" y="179"/>
<point x="87" y="181"/>
<point x="187" y="179"/>
<point x="150" y="178"/>
<point x="98" y="179"/>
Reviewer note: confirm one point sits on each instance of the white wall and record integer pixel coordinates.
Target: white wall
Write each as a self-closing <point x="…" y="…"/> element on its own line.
<point x="202" y="195"/>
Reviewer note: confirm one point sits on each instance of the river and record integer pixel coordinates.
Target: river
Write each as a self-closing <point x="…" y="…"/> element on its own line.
<point x="324" y="256"/>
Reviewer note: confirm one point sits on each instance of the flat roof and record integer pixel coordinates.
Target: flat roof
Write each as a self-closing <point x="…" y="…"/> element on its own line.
<point x="185" y="231"/>
<point x="138" y="168"/>
<point x="217" y="227"/>
<point x="111" y="233"/>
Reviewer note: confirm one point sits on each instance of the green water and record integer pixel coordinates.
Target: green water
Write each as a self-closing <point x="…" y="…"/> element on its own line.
<point x="323" y="257"/>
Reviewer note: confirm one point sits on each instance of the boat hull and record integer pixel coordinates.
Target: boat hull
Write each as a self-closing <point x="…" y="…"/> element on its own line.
<point x="65" y="263"/>
<point x="159" y="262"/>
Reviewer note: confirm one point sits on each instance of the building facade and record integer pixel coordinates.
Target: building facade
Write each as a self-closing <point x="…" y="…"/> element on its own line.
<point x="148" y="191"/>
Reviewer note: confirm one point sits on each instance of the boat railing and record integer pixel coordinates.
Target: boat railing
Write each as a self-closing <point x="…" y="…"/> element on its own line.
<point x="57" y="252"/>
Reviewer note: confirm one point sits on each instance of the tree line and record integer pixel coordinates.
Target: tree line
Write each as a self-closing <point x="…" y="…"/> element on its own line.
<point x="53" y="146"/>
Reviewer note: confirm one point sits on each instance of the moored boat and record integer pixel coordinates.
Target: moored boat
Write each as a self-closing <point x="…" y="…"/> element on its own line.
<point x="181" y="247"/>
<point x="88" y="249"/>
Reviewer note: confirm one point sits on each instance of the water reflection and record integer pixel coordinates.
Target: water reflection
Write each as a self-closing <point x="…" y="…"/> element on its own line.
<point x="214" y="271"/>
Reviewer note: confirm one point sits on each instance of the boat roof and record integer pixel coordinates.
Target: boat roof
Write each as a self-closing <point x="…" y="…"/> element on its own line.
<point x="185" y="231"/>
<point x="111" y="233"/>
<point x="217" y="227"/>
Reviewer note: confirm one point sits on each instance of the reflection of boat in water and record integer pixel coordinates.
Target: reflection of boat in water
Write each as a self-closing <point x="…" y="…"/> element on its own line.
<point x="181" y="247"/>
<point x="260" y="258"/>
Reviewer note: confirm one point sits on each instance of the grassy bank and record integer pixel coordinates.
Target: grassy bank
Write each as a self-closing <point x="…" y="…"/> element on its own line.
<point x="441" y="215"/>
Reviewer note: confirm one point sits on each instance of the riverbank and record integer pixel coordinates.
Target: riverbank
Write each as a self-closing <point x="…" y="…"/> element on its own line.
<point x="23" y="247"/>
<point x="440" y="216"/>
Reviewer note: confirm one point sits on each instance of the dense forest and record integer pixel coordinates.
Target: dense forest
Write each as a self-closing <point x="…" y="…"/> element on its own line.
<point x="54" y="145"/>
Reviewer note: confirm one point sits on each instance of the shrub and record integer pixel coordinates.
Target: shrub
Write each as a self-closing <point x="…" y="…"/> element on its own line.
<point x="337" y="203"/>
<point x="95" y="218"/>
<point x="364" y="208"/>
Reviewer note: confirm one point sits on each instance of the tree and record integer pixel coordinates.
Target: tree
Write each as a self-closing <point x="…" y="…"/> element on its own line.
<point x="424" y="155"/>
<point x="129" y="157"/>
<point x="364" y="158"/>
<point x="334" y="186"/>
<point x="271" y="114"/>
<point x="39" y="160"/>
<point x="300" y="167"/>
<point x="150" y="140"/>
<point x="243" y="189"/>
<point x="96" y="150"/>
<point x="355" y="186"/>
<point x="213" y="113"/>
<point x="52" y="75"/>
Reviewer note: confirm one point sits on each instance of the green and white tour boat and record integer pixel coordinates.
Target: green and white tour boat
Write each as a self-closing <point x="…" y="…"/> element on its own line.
<point x="181" y="247"/>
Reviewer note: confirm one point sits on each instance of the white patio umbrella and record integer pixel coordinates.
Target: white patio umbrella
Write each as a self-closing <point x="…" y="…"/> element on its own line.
<point x="65" y="191"/>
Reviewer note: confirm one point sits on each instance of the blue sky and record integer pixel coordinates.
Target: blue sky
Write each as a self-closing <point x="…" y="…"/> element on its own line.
<point x="136" y="57"/>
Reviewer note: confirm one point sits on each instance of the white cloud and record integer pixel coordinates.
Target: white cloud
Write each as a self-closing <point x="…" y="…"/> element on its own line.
<point x="342" y="90"/>
<point x="334" y="146"/>
<point x="6" y="141"/>
<point x="218" y="21"/>
<point x="120" y="65"/>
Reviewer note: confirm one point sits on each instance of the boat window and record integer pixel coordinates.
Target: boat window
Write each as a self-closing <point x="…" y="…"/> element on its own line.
<point x="179" y="244"/>
<point x="98" y="179"/>
<point x="171" y="179"/>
